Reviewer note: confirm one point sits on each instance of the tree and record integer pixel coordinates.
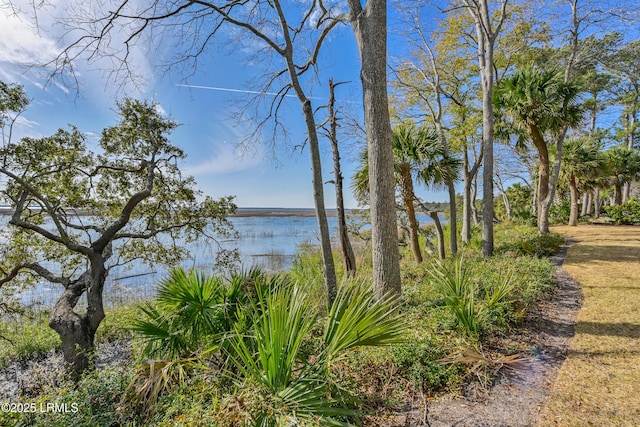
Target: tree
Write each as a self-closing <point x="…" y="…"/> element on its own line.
<point x="296" y="42"/>
<point x="87" y="213"/>
<point x="579" y="163"/>
<point x="348" y="256"/>
<point x="487" y="32"/>
<point x="369" y="23"/>
<point x="539" y="104"/>
<point x="622" y="166"/>
<point x="419" y="154"/>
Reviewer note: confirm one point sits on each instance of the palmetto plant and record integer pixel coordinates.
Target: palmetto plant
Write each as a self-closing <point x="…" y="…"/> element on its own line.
<point x="287" y="389"/>
<point x="193" y="309"/>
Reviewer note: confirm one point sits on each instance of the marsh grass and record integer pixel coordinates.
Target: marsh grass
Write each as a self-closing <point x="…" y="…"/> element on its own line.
<point x="599" y="383"/>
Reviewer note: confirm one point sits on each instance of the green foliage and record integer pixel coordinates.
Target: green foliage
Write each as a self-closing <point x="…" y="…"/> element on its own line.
<point x="93" y="401"/>
<point x="559" y="213"/>
<point x="525" y="241"/>
<point x="419" y="362"/>
<point x="279" y="386"/>
<point x="192" y="309"/>
<point x="626" y="213"/>
<point x="459" y="293"/>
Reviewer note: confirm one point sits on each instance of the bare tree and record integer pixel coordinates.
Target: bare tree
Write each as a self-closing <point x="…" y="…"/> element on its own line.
<point x="194" y="25"/>
<point x="369" y="23"/>
<point x="331" y="133"/>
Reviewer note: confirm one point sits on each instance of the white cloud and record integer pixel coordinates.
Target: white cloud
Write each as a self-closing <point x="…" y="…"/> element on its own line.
<point x="20" y="42"/>
<point x="226" y="158"/>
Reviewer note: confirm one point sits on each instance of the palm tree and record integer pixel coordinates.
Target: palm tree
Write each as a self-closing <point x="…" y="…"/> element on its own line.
<point x="623" y="165"/>
<point x="418" y="153"/>
<point x="579" y="164"/>
<point x="539" y="105"/>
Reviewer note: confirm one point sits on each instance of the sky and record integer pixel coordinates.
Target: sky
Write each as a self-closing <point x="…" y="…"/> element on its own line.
<point x="206" y="100"/>
<point x="206" y="104"/>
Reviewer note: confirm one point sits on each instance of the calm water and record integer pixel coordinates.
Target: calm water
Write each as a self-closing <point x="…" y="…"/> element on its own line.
<point x="270" y="242"/>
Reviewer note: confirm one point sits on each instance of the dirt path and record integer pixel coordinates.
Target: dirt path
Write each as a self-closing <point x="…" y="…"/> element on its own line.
<point x="599" y="383"/>
<point x="518" y="396"/>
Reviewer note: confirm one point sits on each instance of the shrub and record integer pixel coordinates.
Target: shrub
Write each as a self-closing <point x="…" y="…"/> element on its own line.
<point x="627" y="213"/>
<point x="276" y="384"/>
<point x="418" y="362"/>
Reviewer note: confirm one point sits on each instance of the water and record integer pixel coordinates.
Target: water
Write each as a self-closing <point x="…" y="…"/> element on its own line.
<point x="269" y="242"/>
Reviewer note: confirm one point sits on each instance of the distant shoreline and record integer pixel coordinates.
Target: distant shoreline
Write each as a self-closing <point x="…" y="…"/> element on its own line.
<point x="280" y="212"/>
<point x="241" y="212"/>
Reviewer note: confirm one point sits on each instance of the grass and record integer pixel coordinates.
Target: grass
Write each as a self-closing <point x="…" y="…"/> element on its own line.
<point x="599" y="383"/>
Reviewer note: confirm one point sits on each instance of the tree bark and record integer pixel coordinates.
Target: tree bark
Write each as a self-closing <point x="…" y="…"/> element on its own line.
<point x="316" y="163"/>
<point x="408" y="196"/>
<point x="597" y="203"/>
<point x="439" y="232"/>
<point x="585" y="203"/>
<point x="370" y="28"/>
<point x="573" y="190"/>
<point x="348" y="256"/>
<point x="77" y="331"/>
<point x="453" y="219"/>
<point x="466" y="199"/>
<point x="618" y="195"/>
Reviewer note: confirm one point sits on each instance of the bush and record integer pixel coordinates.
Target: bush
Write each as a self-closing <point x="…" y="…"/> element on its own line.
<point x="533" y="245"/>
<point x="418" y="362"/>
<point x="627" y="213"/>
<point x="559" y="214"/>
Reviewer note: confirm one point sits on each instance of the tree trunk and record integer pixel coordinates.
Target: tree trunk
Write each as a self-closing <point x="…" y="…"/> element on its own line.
<point x="573" y="216"/>
<point x="597" y="203"/>
<point x="316" y="163"/>
<point x="487" y="152"/>
<point x="370" y="28"/>
<point x="507" y="205"/>
<point x="453" y="219"/>
<point x="543" y="178"/>
<point x="348" y="256"/>
<point x="589" y="202"/>
<point x="77" y="331"/>
<point x="474" y="197"/>
<point x="439" y="233"/>
<point x="585" y="204"/>
<point x="466" y="199"/>
<point x="618" y="195"/>
<point x="408" y="196"/>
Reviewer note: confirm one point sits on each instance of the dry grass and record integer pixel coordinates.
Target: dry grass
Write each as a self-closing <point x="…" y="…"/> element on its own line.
<point x="599" y="383"/>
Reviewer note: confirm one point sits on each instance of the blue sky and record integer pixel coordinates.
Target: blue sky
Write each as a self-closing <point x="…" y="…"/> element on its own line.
<point x="260" y="175"/>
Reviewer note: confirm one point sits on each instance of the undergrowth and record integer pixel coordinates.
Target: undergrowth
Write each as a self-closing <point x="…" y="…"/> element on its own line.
<point x="217" y="373"/>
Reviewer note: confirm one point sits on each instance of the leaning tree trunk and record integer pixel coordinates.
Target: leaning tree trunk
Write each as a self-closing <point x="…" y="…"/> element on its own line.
<point x="77" y="331"/>
<point x="573" y="191"/>
<point x="439" y="232"/>
<point x="408" y="197"/>
<point x="543" y="179"/>
<point x="316" y="171"/>
<point x="370" y="28"/>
